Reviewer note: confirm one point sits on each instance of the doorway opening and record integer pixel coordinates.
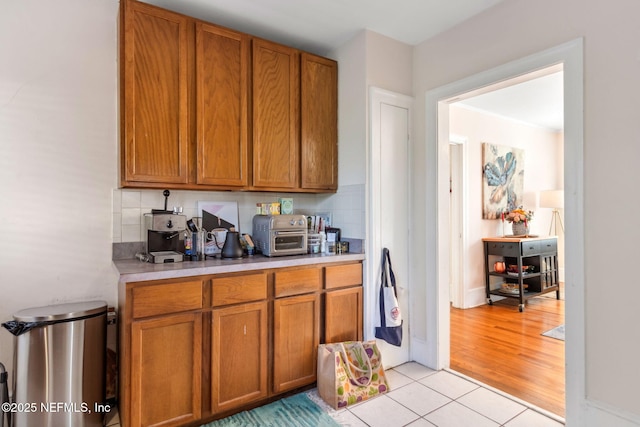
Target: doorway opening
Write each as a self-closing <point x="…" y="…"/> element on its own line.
<point x="570" y="55"/>
<point x="535" y="128"/>
<point x="498" y="345"/>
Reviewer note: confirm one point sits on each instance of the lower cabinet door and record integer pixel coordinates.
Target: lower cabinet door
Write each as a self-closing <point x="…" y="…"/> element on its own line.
<point x="166" y="370"/>
<point x="296" y="330"/>
<point x="343" y="315"/>
<point x="239" y="352"/>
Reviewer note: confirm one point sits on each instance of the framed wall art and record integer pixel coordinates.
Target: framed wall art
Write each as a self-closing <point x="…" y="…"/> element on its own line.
<point x="503" y="179"/>
<point x="218" y="215"/>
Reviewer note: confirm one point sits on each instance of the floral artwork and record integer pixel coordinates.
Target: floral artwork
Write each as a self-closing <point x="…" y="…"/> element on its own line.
<point x="503" y="179"/>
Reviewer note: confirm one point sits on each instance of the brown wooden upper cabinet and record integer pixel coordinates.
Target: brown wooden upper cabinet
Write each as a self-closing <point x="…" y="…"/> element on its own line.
<point x="155" y="101"/>
<point x="319" y="119"/>
<point x="208" y="108"/>
<point x="222" y="76"/>
<point x="276" y="96"/>
<point x="295" y="119"/>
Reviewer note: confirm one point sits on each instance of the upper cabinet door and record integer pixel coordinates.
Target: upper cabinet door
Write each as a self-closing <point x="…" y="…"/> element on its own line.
<point x="222" y="73"/>
<point x="155" y="145"/>
<point x="276" y="74"/>
<point x="319" y="123"/>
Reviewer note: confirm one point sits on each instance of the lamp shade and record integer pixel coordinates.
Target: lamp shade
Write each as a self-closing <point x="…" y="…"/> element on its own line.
<point x="552" y="199"/>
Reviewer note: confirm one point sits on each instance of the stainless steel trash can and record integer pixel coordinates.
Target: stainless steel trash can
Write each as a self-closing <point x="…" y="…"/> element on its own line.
<point x="59" y="366"/>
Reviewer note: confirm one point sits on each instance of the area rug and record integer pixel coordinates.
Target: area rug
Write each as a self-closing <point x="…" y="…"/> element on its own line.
<point x="557" y="333"/>
<point x="294" y="411"/>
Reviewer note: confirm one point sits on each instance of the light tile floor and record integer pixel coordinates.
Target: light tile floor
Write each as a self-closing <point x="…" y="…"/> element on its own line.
<point x="420" y="396"/>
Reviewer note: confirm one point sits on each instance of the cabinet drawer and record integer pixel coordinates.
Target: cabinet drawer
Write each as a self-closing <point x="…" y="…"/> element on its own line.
<point x="341" y="276"/>
<point x="549" y="246"/>
<point x="238" y="289"/>
<point x="503" y="248"/>
<point x="530" y="248"/>
<point x="295" y="282"/>
<point x="153" y="300"/>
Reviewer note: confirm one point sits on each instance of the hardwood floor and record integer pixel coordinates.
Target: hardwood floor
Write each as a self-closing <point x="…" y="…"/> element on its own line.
<point x="504" y="348"/>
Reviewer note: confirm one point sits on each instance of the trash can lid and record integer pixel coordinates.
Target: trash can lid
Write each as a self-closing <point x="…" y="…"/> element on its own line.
<point x="61" y="311"/>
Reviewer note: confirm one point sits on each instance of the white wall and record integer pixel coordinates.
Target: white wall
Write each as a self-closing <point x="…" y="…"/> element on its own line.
<point x="369" y="59"/>
<point x="542" y="171"/>
<point x="389" y="64"/>
<point x="352" y="112"/>
<point x="513" y="30"/>
<point x="58" y="153"/>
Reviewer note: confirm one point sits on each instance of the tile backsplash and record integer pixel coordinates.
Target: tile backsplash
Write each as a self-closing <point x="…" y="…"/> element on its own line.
<point x="347" y="208"/>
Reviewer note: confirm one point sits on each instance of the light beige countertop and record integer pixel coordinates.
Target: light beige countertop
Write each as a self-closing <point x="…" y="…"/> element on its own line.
<point x="132" y="270"/>
<point x="516" y="238"/>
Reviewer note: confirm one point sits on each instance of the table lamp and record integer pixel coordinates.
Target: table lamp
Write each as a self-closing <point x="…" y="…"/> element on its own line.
<point x="553" y="199"/>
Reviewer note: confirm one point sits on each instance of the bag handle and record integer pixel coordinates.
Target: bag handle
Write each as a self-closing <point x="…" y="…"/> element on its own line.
<point x="350" y="366"/>
<point x="386" y="265"/>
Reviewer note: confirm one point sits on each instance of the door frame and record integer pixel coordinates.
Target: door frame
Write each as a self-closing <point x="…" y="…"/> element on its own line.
<point x="570" y="57"/>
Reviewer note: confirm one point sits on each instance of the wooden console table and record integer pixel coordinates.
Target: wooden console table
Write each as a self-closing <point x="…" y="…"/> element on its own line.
<point x="539" y="253"/>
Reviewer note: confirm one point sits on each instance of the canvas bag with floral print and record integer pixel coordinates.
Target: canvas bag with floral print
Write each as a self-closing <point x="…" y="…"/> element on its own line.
<point x="350" y="372"/>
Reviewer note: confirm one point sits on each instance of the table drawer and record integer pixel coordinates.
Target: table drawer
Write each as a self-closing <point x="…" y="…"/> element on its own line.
<point x="503" y="248"/>
<point x="548" y="246"/>
<point x="238" y="289"/>
<point x="166" y="298"/>
<point x="298" y="281"/>
<point x="530" y="248"/>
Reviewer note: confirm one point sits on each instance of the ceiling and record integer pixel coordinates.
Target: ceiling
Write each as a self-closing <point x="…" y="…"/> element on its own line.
<point x="321" y="26"/>
<point x="538" y="102"/>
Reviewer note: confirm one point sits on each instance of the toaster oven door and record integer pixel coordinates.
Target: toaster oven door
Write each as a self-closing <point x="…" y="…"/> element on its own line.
<point x="289" y="241"/>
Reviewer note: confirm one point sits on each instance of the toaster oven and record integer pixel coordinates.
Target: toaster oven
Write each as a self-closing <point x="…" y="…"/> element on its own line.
<point x="276" y="235"/>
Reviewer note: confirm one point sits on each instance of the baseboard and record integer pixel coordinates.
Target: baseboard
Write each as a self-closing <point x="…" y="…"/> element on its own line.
<point x="598" y="414"/>
<point x="475" y="297"/>
<point x="419" y="352"/>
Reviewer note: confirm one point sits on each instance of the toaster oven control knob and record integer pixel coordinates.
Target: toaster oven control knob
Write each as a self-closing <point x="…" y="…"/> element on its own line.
<point x="301" y="222"/>
<point x="169" y="224"/>
<point x="292" y="222"/>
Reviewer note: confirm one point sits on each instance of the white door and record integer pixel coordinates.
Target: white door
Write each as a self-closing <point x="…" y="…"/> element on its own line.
<point x="457" y="209"/>
<point x="388" y="225"/>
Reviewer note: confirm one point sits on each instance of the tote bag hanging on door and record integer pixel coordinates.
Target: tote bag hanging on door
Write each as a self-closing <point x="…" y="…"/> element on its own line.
<point x="390" y="322"/>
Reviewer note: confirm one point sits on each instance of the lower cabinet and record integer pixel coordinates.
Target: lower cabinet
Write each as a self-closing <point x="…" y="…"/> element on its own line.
<point x="343" y="303"/>
<point x="166" y="371"/>
<point x="202" y="347"/>
<point x="296" y="335"/>
<point x="239" y="355"/>
<point x="343" y="315"/>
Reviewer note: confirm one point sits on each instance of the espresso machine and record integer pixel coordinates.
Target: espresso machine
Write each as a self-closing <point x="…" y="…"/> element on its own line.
<point x="164" y="233"/>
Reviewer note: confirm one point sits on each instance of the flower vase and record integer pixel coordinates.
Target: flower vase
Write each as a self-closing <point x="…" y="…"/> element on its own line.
<point x="519" y="228"/>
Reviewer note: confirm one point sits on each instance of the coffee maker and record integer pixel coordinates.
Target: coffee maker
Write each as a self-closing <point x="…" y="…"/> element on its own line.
<point x="164" y="236"/>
